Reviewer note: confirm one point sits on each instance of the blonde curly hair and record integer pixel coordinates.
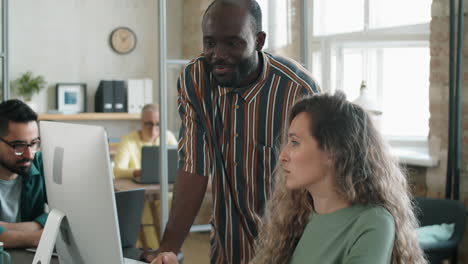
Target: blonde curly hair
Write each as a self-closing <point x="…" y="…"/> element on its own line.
<point x="366" y="174"/>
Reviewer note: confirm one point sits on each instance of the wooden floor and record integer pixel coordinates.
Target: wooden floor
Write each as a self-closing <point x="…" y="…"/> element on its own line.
<point x="196" y="248"/>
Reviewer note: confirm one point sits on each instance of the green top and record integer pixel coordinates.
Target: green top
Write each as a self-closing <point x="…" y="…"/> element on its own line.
<point x="33" y="194"/>
<point x="357" y="234"/>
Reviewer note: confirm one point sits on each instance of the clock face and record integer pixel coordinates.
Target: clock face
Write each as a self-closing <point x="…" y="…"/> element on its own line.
<point x="123" y="40"/>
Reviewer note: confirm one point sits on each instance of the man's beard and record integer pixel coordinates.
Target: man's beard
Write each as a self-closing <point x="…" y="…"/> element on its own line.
<point x="21" y="170"/>
<point x="241" y="70"/>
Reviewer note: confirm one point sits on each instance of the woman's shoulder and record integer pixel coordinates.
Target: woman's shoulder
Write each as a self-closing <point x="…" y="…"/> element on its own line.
<point x="376" y="216"/>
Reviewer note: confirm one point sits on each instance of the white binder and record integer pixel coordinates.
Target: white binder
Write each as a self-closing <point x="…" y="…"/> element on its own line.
<point x="139" y="93"/>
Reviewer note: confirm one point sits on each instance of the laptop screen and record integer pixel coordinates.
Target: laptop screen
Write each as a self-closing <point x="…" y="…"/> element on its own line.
<point x="150" y="164"/>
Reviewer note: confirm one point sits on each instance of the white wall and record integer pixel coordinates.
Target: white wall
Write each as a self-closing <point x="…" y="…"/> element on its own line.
<point x="68" y="41"/>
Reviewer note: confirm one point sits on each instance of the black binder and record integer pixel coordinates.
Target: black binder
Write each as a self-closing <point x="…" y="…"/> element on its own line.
<point x="120" y="97"/>
<point x="104" y="99"/>
<point x="111" y="96"/>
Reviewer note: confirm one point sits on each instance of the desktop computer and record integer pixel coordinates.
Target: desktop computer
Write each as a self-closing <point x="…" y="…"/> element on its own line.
<point x="82" y="223"/>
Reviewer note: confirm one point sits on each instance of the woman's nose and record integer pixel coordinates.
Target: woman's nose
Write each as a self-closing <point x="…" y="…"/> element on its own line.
<point x="283" y="156"/>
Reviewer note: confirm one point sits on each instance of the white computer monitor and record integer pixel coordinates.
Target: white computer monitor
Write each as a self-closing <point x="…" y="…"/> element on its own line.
<point x="78" y="179"/>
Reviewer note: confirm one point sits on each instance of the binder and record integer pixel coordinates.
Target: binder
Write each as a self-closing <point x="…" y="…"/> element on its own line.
<point x="148" y="91"/>
<point x="104" y="98"/>
<point x="120" y="97"/>
<point x="139" y="93"/>
<point x="134" y="92"/>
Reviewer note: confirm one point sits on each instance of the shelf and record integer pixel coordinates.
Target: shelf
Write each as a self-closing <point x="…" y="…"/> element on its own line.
<point x="90" y="116"/>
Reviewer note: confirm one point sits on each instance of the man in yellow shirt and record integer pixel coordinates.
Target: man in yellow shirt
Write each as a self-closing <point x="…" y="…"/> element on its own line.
<point x="127" y="162"/>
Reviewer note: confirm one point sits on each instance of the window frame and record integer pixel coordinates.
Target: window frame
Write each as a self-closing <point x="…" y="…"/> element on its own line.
<point x="415" y="35"/>
<point x="269" y="15"/>
<point x="401" y="36"/>
<point x="397" y="36"/>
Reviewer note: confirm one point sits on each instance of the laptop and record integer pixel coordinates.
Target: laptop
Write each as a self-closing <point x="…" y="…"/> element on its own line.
<point x="150" y="164"/>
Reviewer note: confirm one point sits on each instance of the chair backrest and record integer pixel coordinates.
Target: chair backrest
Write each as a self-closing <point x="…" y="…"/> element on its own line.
<point x="437" y="211"/>
<point x="129" y="210"/>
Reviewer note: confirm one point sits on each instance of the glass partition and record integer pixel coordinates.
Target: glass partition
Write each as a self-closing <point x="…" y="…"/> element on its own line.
<point x="173" y="119"/>
<point x="4" y="82"/>
<point x="2" y="79"/>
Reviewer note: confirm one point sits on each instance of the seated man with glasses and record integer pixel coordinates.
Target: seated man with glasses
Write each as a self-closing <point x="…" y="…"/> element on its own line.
<point x="127" y="161"/>
<point x="22" y="189"/>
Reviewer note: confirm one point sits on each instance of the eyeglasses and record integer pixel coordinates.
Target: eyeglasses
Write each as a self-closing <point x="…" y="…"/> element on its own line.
<point x="20" y="147"/>
<point x="150" y="124"/>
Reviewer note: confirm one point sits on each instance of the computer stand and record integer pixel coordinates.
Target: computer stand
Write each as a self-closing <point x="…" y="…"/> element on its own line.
<point x="48" y="237"/>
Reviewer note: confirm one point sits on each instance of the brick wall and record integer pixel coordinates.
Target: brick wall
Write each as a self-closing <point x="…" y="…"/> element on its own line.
<point x="193" y="12"/>
<point x="438" y="96"/>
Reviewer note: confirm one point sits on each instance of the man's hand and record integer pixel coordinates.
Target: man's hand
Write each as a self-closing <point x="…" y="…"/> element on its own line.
<point x="18" y="239"/>
<point x="36" y="237"/>
<point x="22" y="226"/>
<point x="189" y="191"/>
<point x="166" y="258"/>
<point x="23" y="234"/>
<point x="149" y="255"/>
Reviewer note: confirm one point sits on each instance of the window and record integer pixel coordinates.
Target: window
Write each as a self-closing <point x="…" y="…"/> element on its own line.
<point x="384" y="43"/>
<point x="277" y="22"/>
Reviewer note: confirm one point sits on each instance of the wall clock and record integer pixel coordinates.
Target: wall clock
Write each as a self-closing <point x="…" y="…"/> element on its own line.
<point x="123" y="40"/>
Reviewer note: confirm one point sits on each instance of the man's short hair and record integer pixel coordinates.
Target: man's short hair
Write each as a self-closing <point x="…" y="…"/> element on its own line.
<point x="254" y="10"/>
<point x="15" y="111"/>
<point x="149" y="107"/>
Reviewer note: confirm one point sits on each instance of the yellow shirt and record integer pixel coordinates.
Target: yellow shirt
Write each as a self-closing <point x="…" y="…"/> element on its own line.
<point x="128" y="156"/>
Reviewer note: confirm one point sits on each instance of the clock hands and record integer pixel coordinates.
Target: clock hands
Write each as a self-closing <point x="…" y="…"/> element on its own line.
<point x="123" y="40"/>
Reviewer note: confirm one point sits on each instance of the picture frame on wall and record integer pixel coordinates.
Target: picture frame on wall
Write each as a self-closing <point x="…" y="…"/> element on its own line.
<point x="71" y="97"/>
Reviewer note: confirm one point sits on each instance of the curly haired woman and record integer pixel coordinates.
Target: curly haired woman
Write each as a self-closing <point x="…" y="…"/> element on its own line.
<point x="339" y="197"/>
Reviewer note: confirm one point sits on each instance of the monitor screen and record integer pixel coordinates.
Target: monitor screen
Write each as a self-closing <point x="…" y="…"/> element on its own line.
<point x="78" y="180"/>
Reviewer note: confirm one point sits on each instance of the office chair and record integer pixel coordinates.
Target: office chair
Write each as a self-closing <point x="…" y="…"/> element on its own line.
<point x="437" y="211"/>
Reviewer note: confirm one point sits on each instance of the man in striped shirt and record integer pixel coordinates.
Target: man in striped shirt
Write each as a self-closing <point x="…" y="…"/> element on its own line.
<point x="233" y="102"/>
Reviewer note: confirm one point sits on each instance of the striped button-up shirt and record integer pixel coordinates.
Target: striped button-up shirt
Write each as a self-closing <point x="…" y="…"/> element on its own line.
<point x="230" y="134"/>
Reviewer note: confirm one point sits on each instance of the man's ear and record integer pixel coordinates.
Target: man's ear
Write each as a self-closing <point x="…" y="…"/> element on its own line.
<point x="260" y="40"/>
